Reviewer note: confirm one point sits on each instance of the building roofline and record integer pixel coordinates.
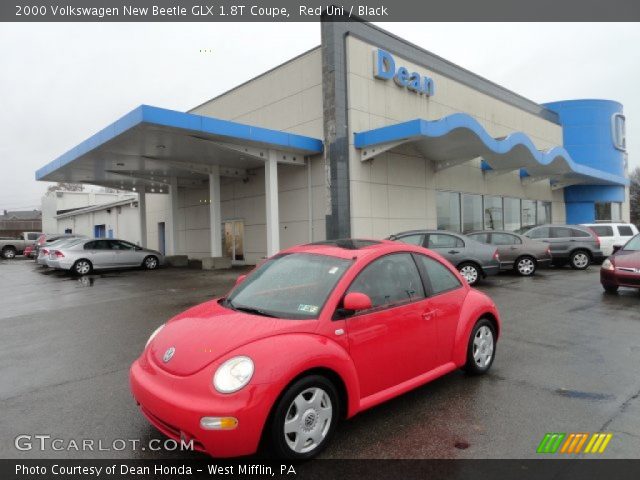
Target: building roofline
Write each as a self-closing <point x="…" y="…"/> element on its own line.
<point x="101" y="206"/>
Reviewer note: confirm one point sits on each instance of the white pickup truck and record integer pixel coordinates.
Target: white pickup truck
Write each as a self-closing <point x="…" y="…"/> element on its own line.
<point x="10" y="247"/>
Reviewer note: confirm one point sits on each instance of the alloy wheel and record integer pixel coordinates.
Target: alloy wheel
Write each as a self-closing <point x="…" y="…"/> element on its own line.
<point x="9" y="253"/>
<point x="150" y="263"/>
<point x="470" y="274"/>
<point x="526" y="266"/>
<point x="308" y="420"/>
<point x="483" y="346"/>
<point x="580" y="260"/>
<point x="83" y="267"/>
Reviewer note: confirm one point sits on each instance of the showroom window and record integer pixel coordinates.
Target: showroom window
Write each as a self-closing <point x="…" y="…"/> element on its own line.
<point x="472" y="218"/>
<point x="543" y="215"/>
<point x="493" y="213"/>
<point x="528" y="213"/>
<point x="448" y="211"/>
<point x="611" y="211"/>
<point x="512" y="214"/>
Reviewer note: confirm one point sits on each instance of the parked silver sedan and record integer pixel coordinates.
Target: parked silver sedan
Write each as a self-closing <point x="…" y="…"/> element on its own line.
<point x="103" y="253"/>
<point x="42" y="258"/>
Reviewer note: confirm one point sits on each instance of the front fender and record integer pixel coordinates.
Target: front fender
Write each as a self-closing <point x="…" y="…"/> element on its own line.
<point x="475" y="306"/>
<point x="279" y="360"/>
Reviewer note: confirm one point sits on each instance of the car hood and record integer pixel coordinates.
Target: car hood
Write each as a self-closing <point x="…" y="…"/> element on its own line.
<point x="204" y="333"/>
<point x="627" y="259"/>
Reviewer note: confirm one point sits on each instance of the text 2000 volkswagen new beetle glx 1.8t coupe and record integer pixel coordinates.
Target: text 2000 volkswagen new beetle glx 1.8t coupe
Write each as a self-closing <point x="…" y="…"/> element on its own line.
<point x="316" y="334"/>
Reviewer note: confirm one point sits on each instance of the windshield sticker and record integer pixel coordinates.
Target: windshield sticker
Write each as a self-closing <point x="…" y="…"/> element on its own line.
<point x="333" y="270"/>
<point x="307" y="308"/>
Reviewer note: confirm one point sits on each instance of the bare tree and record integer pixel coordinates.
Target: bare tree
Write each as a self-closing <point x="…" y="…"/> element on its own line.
<point x="66" y="187"/>
<point x="634" y="196"/>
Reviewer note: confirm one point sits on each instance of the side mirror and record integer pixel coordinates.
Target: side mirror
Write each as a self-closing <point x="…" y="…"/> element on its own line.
<point x="616" y="248"/>
<point x="356" y="301"/>
<point x="239" y="280"/>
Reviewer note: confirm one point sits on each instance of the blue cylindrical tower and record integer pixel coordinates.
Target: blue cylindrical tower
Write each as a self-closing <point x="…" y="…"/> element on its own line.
<point x="593" y="134"/>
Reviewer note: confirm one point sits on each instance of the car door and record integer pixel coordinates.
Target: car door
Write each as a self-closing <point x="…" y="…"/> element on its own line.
<point x="445" y="300"/>
<point x="509" y="247"/>
<point x="560" y="241"/>
<point x="395" y="340"/>
<point x="125" y="254"/>
<point x="449" y="246"/>
<point x="99" y="253"/>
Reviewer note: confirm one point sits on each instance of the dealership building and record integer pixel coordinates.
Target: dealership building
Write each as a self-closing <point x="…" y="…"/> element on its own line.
<point x="363" y="136"/>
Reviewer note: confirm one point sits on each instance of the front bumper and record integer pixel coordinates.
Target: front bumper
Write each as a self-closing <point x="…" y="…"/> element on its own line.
<point x="175" y="405"/>
<point x="619" y="278"/>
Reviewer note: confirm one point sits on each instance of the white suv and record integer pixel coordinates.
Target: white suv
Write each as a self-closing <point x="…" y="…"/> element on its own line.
<point x="612" y="234"/>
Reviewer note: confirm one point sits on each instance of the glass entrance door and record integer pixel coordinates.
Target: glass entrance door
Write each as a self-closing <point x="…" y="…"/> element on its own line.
<point x="234" y="241"/>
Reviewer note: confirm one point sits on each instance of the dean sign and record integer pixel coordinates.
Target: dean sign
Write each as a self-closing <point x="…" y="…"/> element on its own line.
<point x="384" y="67"/>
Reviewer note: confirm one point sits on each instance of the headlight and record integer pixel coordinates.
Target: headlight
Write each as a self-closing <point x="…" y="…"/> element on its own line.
<point x="233" y="374"/>
<point x="153" y="335"/>
<point x="607" y="265"/>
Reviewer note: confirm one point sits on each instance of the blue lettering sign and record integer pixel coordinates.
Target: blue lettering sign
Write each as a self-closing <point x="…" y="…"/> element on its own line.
<point x="384" y="68"/>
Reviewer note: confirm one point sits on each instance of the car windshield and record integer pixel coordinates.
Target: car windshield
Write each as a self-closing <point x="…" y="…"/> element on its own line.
<point x="633" y="244"/>
<point x="292" y="286"/>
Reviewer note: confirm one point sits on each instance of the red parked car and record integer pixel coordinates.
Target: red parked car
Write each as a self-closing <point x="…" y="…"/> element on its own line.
<point x="316" y="334"/>
<point x="622" y="269"/>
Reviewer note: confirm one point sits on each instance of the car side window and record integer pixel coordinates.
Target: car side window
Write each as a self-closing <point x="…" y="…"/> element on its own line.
<point x="480" y="237"/>
<point x="120" y="245"/>
<point x="32" y="236"/>
<point x="504" y="239"/>
<point x="390" y="280"/>
<point x="441" y="240"/>
<point x="575" y="233"/>
<point x="625" y="231"/>
<point x="560" y="232"/>
<point x="602" y="230"/>
<point x="440" y="277"/>
<point x="542" y="232"/>
<point x="97" y="245"/>
<point x="416" y="239"/>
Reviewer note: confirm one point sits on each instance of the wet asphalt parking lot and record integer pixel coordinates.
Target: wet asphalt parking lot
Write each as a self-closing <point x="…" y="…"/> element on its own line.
<point x="568" y="361"/>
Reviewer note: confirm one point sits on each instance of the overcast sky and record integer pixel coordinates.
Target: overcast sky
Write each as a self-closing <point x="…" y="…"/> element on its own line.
<point x="60" y="83"/>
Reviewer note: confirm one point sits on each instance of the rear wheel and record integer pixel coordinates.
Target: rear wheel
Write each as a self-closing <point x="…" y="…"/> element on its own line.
<point x="82" y="267"/>
<point x="470" y="272"/>
<point x="304" y="418"/>
<point x="610" y="288"/>
<point x="482" y="348"/>
<point x="150" y="262"/>
<point x="525" y="266"/>
<point x="580" y="260"/>
<point x="9" y="252"/>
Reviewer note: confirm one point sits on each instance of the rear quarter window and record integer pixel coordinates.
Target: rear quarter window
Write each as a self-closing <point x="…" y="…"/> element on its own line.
<point x="575" y="233"/>
<point x="625" y="231"/>
<point x="603" y="230"/>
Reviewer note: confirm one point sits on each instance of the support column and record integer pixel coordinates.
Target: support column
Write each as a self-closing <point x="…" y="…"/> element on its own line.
<point x="142" y="214"/>
<point x="271" y="193"/>
<point x="309" y="201"/>
<point x="215" y="218"/>
<point x="172" y="218"/>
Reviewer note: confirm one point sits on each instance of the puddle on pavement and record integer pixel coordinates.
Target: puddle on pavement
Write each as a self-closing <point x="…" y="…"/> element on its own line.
<point x="584" y="395"/>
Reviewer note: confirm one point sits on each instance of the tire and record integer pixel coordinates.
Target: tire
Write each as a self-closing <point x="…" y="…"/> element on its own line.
<point x="580" y="260"/>
<point x="610" y="288"/>
<point x="150" y="262"/>
<point x="82" y="267"/>
<point x="470" y="272"/>
<point x="525" y="266"/>
<point x="9" y="253"/>
<point x="481" y="350"/>
<point x="304" y="419"/>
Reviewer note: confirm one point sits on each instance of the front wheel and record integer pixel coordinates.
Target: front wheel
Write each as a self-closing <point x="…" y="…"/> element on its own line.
<point x="481" y="349"/>
<point x="82" y="267"/>
<point x="150" y="262"/>
<point x="526" y="266"/>
<point x="9" y="253"/>
<point x="580" y="260"/>
<point x="304" y="418"/>
<point x="610" y="288"/>
<point x="470" y="272"/>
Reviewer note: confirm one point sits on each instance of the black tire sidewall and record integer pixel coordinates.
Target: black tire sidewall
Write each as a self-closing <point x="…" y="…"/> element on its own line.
<point x="7" y="250"/>
<point x="144" y="262"/>
<point x="571" y="262"/>
<point x="277" y="442"/>
<point x="470" y="366"/>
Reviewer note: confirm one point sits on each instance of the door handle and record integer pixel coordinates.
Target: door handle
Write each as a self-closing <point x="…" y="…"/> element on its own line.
<point x="428" y="315"/>
<point x="453" y="251"/>
<point x="513" y="248"/>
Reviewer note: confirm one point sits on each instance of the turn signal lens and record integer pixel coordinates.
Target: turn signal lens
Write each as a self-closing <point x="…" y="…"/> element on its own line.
<point x="607" y="265"/>
<point x="218" y="423"/>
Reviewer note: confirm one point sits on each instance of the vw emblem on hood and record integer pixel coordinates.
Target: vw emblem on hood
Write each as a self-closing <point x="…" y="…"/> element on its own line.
<point x="168" y="355"/>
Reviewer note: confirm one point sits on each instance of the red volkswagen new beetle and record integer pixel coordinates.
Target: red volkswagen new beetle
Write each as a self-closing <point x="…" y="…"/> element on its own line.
<point x="316" y="334"/>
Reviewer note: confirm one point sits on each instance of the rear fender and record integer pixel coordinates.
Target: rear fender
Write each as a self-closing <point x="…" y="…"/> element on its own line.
<point x="476" y="305"/>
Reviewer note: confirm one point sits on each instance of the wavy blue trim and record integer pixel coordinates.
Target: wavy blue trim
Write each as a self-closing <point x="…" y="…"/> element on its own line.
<point x="417" y="129"/>
<point x="185" y="121"/>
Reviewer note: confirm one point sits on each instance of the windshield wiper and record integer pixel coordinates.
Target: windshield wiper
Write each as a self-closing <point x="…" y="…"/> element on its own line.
<point x="255" y="311"/>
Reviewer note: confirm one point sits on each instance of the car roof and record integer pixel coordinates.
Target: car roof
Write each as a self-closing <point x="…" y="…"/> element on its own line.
<point x="425" y="231"/>
<point x="494" y="231"/>
<point x="351" y="248"/>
